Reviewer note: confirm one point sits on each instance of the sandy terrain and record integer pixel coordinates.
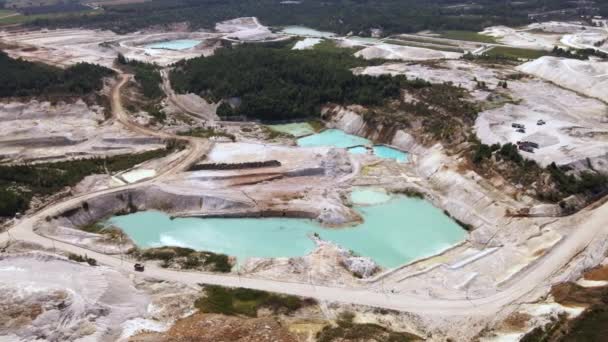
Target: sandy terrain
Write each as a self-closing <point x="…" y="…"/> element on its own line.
<point x="504" y="262"/>
<point x="78" y="300"/>
<point x="245" y="29"/>
<point x="586" y="77"/>
<point x="65" y="47"/>
<point x="459" y="72"/>
<point x="523" y="38"/>
<point x="39" y="131"/>
<point x="390" y="51"/>
<point x="576" y="127"/>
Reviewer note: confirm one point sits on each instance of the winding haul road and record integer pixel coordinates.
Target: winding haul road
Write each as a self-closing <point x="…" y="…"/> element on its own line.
<point x="589" y="224"/>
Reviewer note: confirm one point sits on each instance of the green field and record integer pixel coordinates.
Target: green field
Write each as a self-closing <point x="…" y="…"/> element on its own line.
<point x="468" y="36"/>
<point x="419" y="45"/>
<point x="4" y="13"/>
<point x="511" y="52"/>
<point x="422" y="39"/>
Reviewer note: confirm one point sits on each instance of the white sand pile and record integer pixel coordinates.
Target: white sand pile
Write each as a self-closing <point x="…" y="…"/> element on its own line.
<point x="586" y="77"/>
<point x="397" y="52"/>
<point x="307" y="43"/>
<point x="246" y="29"/>
<point x="459" y="72"/>
<point x="557" y="27"/>
<point x="522" y="39"/>
<point x="586" y="40"/>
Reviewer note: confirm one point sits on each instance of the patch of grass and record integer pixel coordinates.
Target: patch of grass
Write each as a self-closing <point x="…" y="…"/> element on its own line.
<point x="517" y="53"/>
<point x="246" y="302"/>
<point x="93" y="228"/>
<point x="206" y="133"/>
<point x="272" y="134"/>
<point x="420" y="39"/>
<point x="470" y="36"/>
<point x="409" y="193"/>
<point x="317" y="125"/>
<point x="347" y="330"/>
<point x="424" y="46"/>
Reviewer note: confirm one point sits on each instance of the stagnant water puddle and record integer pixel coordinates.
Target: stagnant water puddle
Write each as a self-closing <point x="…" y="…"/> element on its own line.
<point x="396" y="230"/>
<point x="355" y="144"/>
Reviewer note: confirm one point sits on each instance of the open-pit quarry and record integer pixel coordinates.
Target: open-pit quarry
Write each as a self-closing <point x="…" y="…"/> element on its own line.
<point x="354" y="214"/>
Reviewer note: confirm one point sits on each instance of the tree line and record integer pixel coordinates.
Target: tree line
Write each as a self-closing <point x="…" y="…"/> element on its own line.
<point x="19" y="183"/>
<point x="340" y="16"/>
<point x="20" y="78"/>
<point x="273" y="83"/>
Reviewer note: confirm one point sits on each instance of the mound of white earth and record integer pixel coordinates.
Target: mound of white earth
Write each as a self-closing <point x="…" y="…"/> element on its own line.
<point x="522" y="38"/>
<point x="397" y="52"/>
<point x="585" y="77"/>
<point x="244" y="29"/>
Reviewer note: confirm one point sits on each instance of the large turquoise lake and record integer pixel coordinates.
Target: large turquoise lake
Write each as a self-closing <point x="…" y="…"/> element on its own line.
<point x="396" y="230"/>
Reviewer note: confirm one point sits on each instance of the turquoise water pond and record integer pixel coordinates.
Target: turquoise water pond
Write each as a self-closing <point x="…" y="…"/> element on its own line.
<point x="396" y="230"/>
<point x="332" y="137"/>
<point x="338" y="138"/>
<point x="178" y="44"/>
<point x="390" y="153"/>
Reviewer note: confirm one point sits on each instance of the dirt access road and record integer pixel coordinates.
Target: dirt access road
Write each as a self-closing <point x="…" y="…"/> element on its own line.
<point x="197" y="147"/>
<point x="590" y="224"/>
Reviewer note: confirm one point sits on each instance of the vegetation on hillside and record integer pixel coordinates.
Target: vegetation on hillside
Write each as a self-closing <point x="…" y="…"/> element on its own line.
<point x="20" y="183"/>
<point x="274" y="83"/>
<point x="246" y="302"/>
<point x="22" y="78"/>
<point x="590" y="326"/>
<point x="551" y="184"/>
<point x="340" y="16"/>
<point x="147" y="76"/>
<point x="347" y="330"/>
<point x="187" y="259"/>
<point x="582" y="54"/>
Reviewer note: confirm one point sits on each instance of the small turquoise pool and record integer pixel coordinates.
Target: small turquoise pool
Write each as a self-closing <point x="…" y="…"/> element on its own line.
<point x="390" y="153"/>
<point x="178" y="44"/>
<point x="332" y="137"/>
<point x="354" y="144"/>
<point x="396" y="230"/>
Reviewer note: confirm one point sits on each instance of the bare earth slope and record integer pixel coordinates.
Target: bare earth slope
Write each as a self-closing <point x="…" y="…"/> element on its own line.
<point x="586" y="77"/>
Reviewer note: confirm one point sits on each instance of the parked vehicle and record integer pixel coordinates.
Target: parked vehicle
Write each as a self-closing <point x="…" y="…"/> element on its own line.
<point x="138" y="267"/>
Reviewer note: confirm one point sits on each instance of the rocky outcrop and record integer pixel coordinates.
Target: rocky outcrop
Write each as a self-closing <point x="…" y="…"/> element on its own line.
<point x="361" y="267"/>
<point x="351" y="120"/>
<point x="327" y="264"/>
